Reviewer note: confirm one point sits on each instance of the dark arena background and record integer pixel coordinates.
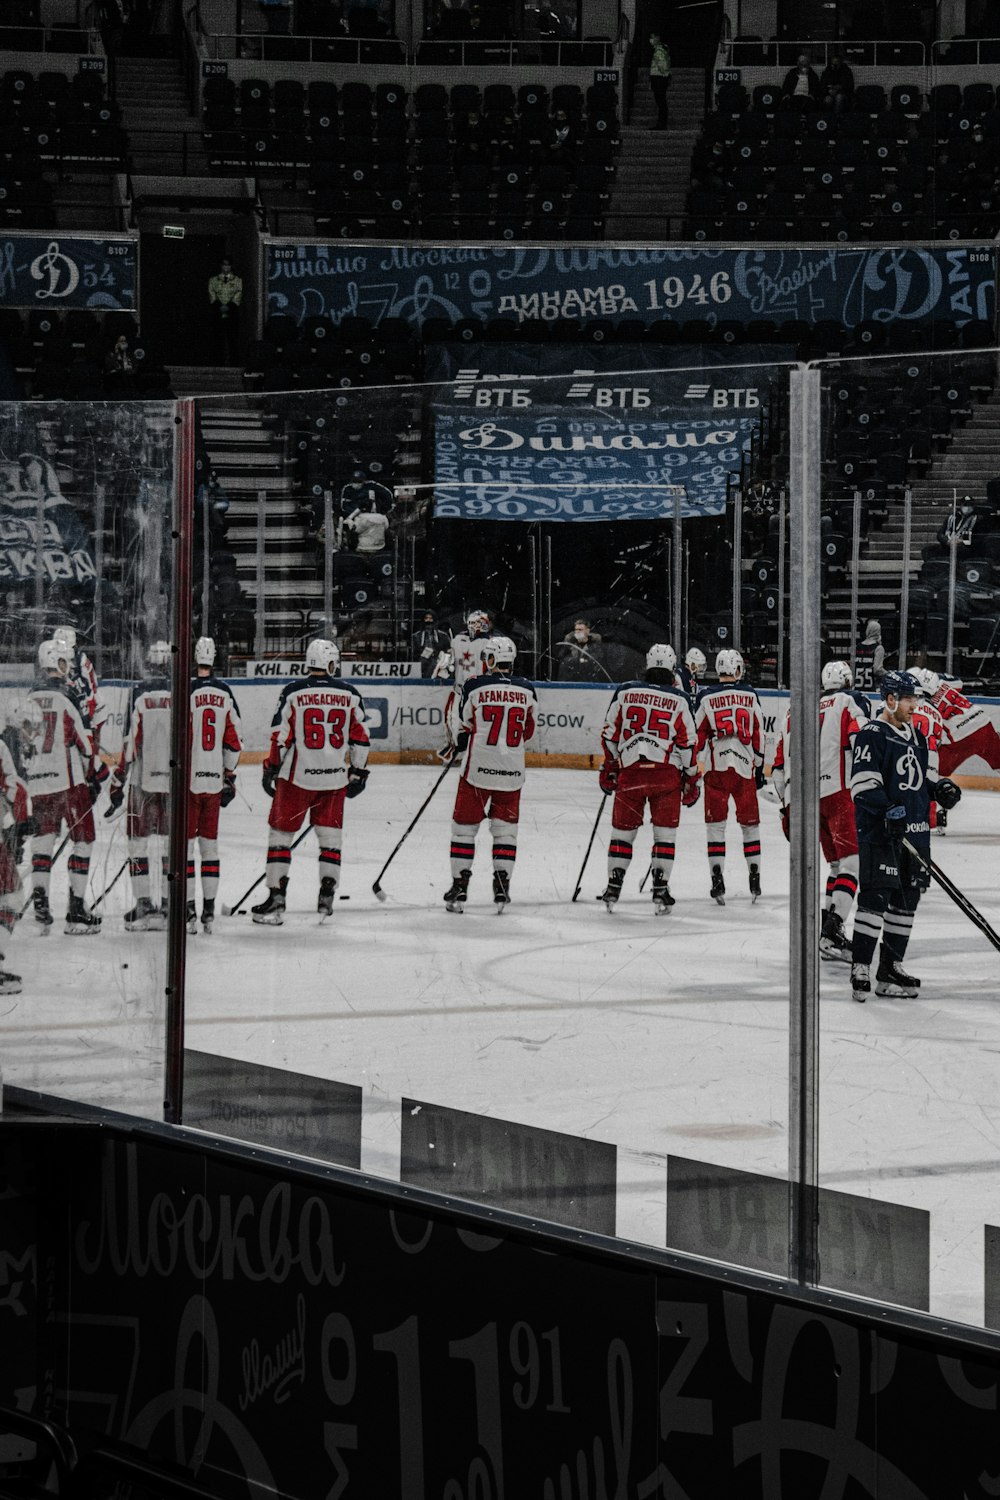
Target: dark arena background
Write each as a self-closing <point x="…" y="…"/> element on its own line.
<point x="324" y="326"/>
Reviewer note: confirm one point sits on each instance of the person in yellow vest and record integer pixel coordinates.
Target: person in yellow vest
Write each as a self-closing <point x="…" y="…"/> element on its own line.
<point x="225" y="294"/>
<point x="659" y="80"/>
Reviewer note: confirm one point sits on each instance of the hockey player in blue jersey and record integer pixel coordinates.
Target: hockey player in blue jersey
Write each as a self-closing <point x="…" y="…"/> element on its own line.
<point x="892" y="787"/>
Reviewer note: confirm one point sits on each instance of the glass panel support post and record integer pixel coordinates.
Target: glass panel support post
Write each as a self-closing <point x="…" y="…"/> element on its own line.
<point x="804" y="641"/>
<point x="677" y="559"/>
<point x="904" y="581"/>
<point x="260" y="614"/>
<point x="738" y="567"/>
<point x="856" y="628"/>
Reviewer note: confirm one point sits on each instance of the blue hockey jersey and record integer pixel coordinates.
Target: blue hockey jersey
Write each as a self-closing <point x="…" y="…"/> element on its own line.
<point x="889" y="769"/>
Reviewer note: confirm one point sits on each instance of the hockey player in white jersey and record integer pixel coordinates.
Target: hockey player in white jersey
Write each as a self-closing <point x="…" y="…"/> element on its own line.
<point x="462" y="662"/>
<point x="497" y="720"/>
<point x="216" y="743"/>
<point x="23" y="729"/>
<point x="730" y="725"/>
<point x="648" y="739"/>
<point x="144" y="768"/>
<point x="318" y="758"/>
<point x="82" y="678"/>
<point x="64" y="781"/>
<point x="842" y="713"/>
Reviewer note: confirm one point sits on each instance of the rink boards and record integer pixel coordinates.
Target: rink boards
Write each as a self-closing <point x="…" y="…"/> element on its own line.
<point x="406" y="721"/>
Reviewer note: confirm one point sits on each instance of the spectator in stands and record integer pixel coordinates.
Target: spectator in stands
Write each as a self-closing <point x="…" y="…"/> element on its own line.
<point x="428" y="643"/>
<point x="225" y="295"/>
<point x="836" y="84"/>
<point x="959" y="524"/>
<point x="579" y="653"/>
<point x="119" y="366"/>
<point x="801" y="85"/>
<point x="659" y="80"/>
<point x="711" y="166"/>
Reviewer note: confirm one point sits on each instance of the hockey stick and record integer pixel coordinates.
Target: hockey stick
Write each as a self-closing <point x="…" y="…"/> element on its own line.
<point x="642" y="885"/>
<point x="111" y="885"/>
<point x="234" y="911"/>
<point x="593" y="835"/>
<point x="377" y="883"/>
<point x="950" y="889"/>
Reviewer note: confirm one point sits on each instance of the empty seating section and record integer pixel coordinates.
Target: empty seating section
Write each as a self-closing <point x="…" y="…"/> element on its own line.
<point x="898" y="162"/>
<point x="50" y="122"/>
<point x="494" y="163"/>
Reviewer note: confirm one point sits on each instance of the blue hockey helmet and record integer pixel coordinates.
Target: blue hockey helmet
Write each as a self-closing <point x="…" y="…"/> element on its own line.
<point x="899" y="685"/>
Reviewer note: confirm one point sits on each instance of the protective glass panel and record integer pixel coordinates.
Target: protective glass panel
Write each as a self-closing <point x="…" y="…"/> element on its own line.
<point x="601" y="1064"/>
<point x="88" y="494"/>
<point x="911" y="543"/>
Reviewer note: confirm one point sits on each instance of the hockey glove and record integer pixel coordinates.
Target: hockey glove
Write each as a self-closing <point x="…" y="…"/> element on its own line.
<point x="356" y="779"/>
<point x="947" y="794"/>
<point x="690" y="790"/>
<point x="786" y="823"/>
<point x="228" y="789"/>
<point x="608" y="777"/>
<point x="447" y="754"/>
<point x="758" y="778"/>
<point x="895" y="824"/>
<point x="269" y="779"/>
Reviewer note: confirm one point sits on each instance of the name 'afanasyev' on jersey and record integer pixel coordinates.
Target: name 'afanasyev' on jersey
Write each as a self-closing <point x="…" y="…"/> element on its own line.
<point x="889" y="768"/>
<point x="64" y="752"/>
<point x="649" y="722"/>
<point x="498" y="714"/>
<point x="318" y="732"/>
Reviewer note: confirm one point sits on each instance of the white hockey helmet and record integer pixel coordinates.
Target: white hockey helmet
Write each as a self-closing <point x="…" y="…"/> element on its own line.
<point x="729" y="663"/>
<point x="53" y="657"/>
<point x="837" y="674"/>
<point x="24" y="715"/>
<point x="695" y="660"/>
<point x="66" y="636"/>
<point x="322" y="656"/>
<point x="477" y="622"/>
<point x="158" y="654"/>
<point x="929" y="681"/>
<point x="204" y="651"/>
<point x="662" y="656"/>
<point x="499" y="653"/>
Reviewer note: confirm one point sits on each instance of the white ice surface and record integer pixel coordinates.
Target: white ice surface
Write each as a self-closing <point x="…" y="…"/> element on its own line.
<point x="662" y="1035"/>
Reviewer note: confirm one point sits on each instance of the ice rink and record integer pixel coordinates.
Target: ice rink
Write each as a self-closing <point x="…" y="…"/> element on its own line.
<point x="664" y="1035"/>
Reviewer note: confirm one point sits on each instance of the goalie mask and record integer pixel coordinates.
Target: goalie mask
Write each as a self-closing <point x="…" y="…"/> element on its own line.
<point x="477" y="622"/>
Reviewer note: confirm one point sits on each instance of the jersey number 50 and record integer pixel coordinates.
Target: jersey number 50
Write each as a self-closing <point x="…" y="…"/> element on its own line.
<point x="493" y="715"/>
<point x="733" y="723"/>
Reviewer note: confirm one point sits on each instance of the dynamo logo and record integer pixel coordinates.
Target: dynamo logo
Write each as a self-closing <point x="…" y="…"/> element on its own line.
<point x="908" y="772"/>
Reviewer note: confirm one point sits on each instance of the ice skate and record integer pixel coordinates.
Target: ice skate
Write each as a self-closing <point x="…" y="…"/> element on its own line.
<point x="861" y="982"/>
<point x="754" y="884"/>
<point x="718" y="891"/>
<point x="271" y="913"/>
<point x="191" y="918"/>
<point x="141" y="916"/>
<point x="834" y="944"/>
<point x="894" y="982"/>
<point x="79" y="921"/>
<point x="207" y="914"/>
<point x="327" y="896"/>
<point x="157" y="917"/>
<point x="10" y="984"/>
<point x="457" y="893"/>
<point x="662" y="899"/>
<point x="501" y="890"/>
<point x="43" y="915"/>
<point x="613" y="890"/>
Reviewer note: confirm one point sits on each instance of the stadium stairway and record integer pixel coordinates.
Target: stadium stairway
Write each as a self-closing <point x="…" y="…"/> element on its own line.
<point x="654" y="166"/>
<point x="156" y="115"/>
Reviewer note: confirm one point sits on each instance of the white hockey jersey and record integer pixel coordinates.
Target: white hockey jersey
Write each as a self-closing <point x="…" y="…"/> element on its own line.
<point x="318" y="732"/>
<point x="730" y="724"/>
<point x="498" y="714"/>
<point x="467" y="656"/>
<point x="145" y="757"/>
<point x="652" y="722"/>
<point x="64" y="755"/>
<point x="216" y="734"/>
<point x="960" y="717"/>
<point x="841" y="715"/>
<point x="932" y="726"/>
<point x="13" y="789"/>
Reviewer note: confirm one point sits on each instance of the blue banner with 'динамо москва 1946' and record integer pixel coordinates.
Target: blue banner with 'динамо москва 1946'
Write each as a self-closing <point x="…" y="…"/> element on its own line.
<point x="539" y="285"/>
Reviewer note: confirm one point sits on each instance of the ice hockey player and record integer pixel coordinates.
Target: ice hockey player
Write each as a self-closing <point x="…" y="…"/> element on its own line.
<point x="497" y="720"/>
<point x="968" y="730"/>
<point x="317" y="758"/>
<point x="144" y="769"/>
<point x="841" y="714"/>
<point x="82" y="678"/>
<point x="23" y="728"/>
<point x="892" y="786"/>
<point x="649" y="739"/>
<point x="216" y="743"/>
<point x="462" y="662"/>
<point x="64" y="781"/>
<point x="691" y="673"/>
<point x="730" y="725"/>
<point x="931" y="725"/>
